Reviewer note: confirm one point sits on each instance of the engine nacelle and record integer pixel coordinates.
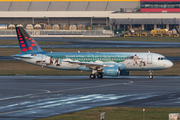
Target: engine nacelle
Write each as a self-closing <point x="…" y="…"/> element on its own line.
<point x="125" y="73"/>
<point x="111" y="71"/>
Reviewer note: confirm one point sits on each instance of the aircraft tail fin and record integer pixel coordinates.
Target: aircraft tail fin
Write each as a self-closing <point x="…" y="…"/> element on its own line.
<point x="26" y="42"/>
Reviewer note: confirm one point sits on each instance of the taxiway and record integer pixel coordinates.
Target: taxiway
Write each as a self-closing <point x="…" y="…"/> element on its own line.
<point x="30" y="97"/>
<point x="79" y="43"/>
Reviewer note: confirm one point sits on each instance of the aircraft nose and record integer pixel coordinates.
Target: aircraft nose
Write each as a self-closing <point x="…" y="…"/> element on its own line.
<point x="169" y="64"/>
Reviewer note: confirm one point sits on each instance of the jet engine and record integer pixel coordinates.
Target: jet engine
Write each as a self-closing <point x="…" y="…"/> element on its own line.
<point x="111" y="71"/>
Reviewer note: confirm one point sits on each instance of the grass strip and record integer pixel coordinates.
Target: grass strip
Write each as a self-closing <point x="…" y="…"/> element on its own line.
<point x="118" y="113"/>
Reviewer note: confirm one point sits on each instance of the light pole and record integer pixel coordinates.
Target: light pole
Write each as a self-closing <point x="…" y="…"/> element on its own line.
<point x="143" y="114"/>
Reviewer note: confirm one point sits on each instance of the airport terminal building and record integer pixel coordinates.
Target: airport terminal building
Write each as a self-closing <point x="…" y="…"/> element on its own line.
<point x="92" y="15"/>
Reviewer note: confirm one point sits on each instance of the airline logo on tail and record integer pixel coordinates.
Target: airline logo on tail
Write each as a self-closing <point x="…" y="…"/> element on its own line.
<point x="26" y="42"/>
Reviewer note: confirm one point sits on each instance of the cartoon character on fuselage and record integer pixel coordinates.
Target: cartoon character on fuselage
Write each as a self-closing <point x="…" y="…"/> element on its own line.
<point x="103" y="63"/>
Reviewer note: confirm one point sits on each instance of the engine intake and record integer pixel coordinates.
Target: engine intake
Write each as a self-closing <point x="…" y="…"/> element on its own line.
<point x="111" y="71"/>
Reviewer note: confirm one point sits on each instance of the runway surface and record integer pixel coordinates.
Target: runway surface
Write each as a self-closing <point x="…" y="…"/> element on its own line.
<point x="30" y="97"/>
<point x="79" y="43"/>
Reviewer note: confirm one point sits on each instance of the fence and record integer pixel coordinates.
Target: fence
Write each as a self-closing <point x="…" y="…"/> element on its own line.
<point x="61" y="33"/>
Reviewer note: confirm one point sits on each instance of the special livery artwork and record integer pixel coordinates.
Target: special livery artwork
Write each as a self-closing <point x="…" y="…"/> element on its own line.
<point x="51" y="61"/>
<point x="100" y="64"/>
<point x="134" y="61"/>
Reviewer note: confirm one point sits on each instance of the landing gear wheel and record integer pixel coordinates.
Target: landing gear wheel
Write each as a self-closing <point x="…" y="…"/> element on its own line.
<point x="100" y="75"/>
<point x="92" y="76"/>
<point x="150" y="77"/>
<point x="150" y="74"/>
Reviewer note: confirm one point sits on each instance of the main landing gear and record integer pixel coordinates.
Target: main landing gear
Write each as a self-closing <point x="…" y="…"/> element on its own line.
<point x="150" y="74"/>
<point x="92" y="76"/>
<point x="99" y="75"/>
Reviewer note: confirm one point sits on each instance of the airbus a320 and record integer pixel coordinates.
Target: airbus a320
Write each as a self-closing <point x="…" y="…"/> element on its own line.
<point x="100" y="64"/>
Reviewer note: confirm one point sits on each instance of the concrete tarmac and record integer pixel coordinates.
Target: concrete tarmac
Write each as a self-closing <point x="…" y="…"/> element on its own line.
<point x="30" y="97"/>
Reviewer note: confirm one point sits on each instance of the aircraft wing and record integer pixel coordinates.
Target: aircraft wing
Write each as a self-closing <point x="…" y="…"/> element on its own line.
<point x="86" y="64"/>
<point x="96" y="65"/>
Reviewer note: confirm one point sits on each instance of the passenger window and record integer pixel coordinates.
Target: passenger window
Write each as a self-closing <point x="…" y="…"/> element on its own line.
<point x="162" y="58"/>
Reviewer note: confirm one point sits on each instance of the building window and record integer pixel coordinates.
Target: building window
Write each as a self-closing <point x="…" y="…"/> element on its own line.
<point x="160" y="4"/>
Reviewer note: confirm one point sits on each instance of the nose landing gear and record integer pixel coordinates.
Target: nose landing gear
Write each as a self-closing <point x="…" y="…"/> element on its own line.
<point x="150" y="74"/>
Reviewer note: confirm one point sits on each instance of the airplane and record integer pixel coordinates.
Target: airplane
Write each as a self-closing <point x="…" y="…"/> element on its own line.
<point x="99" y="63"/>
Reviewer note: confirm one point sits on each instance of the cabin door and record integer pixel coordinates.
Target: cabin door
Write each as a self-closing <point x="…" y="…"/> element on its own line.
<point x="43" y="58"/>
<point x="149" y="59"/>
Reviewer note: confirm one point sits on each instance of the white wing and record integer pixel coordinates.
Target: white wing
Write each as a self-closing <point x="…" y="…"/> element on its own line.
<point x="92" y="65"/>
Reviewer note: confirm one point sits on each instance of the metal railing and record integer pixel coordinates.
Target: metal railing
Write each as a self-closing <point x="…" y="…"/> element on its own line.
<point x="79" y="33"/>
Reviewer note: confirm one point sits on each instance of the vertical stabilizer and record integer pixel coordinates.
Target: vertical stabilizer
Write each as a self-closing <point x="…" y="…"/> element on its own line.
<point x="26" y="42"/>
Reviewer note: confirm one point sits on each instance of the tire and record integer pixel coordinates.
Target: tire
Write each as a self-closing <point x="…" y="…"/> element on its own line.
<point x="100" y="75"/>
<point x="92" y="76"/>
<point x="150" y="77"/>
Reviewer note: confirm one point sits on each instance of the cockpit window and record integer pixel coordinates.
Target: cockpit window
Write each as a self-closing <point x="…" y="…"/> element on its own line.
<point x="162" y="58"/>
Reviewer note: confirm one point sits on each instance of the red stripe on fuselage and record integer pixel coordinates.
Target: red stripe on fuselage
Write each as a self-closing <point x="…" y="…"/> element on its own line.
<point x="160" y="9"/>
